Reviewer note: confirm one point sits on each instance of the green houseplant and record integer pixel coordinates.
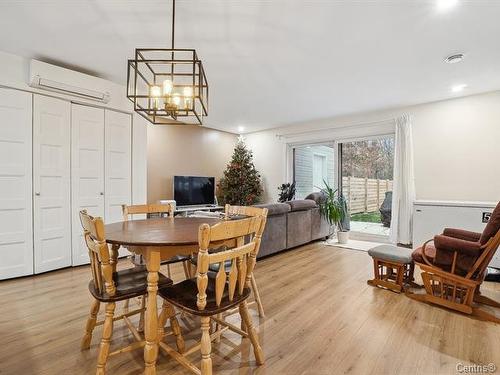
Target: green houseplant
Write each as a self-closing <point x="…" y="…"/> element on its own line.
<point x="334" y="209"/>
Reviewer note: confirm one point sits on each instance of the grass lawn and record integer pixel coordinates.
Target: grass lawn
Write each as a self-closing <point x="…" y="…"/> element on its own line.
<point x="367" y="217"/>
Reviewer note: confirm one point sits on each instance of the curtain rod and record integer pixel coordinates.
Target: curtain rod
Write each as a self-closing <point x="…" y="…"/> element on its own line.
<point x="362" y="124"/>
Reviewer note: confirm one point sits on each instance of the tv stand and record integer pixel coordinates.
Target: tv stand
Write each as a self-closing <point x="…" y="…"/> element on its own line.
<point x="186" y="210"/>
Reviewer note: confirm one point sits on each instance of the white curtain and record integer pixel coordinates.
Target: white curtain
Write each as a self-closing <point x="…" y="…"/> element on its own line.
<point x="403" y="192"/>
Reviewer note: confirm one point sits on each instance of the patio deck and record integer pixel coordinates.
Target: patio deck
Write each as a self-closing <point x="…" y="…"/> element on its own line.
<point x="369" y="228"/>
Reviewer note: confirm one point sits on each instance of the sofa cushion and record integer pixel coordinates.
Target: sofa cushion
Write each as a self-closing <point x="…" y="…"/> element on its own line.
<point x="274" y="236"/>
<point x="301" y="204"/>
<point x="275" y="208"/>
<point x="320" y="228"/>
<point x="298" y="228"/>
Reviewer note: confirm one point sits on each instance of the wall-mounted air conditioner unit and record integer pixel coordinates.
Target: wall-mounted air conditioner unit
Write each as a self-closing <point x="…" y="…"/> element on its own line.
<point x="50" y="85"/>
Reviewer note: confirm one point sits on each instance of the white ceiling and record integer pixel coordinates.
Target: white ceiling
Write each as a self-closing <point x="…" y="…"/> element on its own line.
<point x="272" y="63"/>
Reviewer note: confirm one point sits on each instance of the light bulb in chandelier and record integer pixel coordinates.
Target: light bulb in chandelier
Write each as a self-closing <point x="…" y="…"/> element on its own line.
<point x="176" y="100"/>
<point x="167" y="87"/>
<point x="188" y="92"/>
<point x="155" y="91"/>
<point x="155" y="94"/>
<point x="188" y="97"/>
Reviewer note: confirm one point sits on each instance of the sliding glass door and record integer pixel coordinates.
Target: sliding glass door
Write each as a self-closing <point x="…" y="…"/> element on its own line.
<point x="366" y="170"/>
<point x="312" y="165"/>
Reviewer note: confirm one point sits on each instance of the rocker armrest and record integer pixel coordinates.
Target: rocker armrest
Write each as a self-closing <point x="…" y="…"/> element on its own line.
<point x="442" y="242"/>
<point x="462" y="234"/>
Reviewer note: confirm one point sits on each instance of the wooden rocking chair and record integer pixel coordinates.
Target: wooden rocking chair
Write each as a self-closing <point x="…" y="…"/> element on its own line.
<point x="453" y="267"/>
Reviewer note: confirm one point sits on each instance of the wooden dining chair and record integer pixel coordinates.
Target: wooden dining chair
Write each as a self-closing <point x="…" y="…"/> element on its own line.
<point x="110" y="286"/>
<point x="160" y="209"/>
<point x="209" y="296"/>
<point x="231" y="211"/>
<point x="235" y="212"/>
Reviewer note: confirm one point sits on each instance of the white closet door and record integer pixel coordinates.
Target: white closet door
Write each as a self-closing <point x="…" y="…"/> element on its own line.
<point x="87" y="172"/>
<point x="51" y="183"/>
<point x="118" y="164"/>
<point x="16" y="232"/>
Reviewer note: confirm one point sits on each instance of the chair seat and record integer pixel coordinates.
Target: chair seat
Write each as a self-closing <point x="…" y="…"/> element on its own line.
<point x="176" y="259"/>
<point x="129" y="283"/>
<point x="214" y="267"/>
<point x="430" y="253"/>
<point x="184" y="296"/>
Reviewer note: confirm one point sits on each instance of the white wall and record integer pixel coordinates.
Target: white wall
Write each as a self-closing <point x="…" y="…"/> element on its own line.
<point x="14" y="73"/>
<point x="457" y="156"/>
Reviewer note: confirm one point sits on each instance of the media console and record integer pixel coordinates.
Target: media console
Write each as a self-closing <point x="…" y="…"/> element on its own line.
<point x="186" y="210"/>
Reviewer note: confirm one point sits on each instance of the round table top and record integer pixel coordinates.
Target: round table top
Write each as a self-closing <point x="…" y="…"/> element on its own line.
<point x="156" y="232"/>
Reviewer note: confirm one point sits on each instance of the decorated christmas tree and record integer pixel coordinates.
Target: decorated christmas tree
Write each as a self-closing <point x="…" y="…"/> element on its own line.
<point x="241" y="184"/>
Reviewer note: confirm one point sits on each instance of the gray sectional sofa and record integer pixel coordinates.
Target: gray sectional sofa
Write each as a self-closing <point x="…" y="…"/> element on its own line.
<point x="292" y="224"/>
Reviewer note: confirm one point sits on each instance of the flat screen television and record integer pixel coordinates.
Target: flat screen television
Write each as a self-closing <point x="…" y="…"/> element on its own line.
<point x="194" y="190"/>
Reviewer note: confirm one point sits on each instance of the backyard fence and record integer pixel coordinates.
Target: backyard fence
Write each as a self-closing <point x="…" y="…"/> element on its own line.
<point x="364" y="194"/>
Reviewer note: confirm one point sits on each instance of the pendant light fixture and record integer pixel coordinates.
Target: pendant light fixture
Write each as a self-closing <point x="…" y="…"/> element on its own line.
<point x="168" y="86"/>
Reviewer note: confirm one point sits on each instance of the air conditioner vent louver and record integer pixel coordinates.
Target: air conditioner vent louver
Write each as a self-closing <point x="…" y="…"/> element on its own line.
<point x="47" y="84"/>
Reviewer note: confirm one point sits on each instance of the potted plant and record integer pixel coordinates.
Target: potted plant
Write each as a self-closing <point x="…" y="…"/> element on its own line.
<point x="334" y="209"/>
<point x="286" y="192"/>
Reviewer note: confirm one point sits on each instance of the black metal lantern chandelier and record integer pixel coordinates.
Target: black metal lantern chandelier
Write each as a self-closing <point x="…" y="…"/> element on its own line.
<point x="168" y="86"/>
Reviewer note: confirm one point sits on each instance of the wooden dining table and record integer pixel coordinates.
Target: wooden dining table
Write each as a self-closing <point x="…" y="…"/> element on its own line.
<point x="156" y="240"/>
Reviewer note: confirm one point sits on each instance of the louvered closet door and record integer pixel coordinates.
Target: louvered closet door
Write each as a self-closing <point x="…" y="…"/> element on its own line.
<point x="16" y="232"/>
<point x="87" y="172"/>
<point x="51" y="183"/>
<point x="118" y="164"/>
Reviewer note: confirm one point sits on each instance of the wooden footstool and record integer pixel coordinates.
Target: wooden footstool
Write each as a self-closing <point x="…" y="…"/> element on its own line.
<point x="393" y="267"/>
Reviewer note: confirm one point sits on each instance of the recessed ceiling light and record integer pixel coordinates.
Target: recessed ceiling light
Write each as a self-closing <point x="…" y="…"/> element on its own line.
<point x="455" y="58"/>
<point x="458" y="88"/>
<point x="241" y="129"/>
<point x="444" y="5"/>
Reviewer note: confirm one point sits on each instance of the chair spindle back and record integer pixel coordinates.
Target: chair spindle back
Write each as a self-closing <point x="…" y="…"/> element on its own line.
<point x="138" y="209"/>
<point x="242" y="257"/>
<point x="100" y="260"/>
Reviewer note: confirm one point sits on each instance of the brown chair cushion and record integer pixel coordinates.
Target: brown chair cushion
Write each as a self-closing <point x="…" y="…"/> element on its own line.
<point x="451" y="244"/>
<point x="176" y="259"/>
<point x="129" y="283"/>
<point x="430" y="253"/>
<point x="462" y="234"/>
<point x="468" y="252"/>
<point x="493" y="225"/>
<point x="184" y="296"/>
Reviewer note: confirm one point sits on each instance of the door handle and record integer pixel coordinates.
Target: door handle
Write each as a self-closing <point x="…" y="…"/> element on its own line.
<point x="37" y="194"/>
<point x="101" y="193"/>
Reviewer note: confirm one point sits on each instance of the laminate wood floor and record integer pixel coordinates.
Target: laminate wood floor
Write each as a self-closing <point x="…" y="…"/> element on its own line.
<point x="322" y="318"/>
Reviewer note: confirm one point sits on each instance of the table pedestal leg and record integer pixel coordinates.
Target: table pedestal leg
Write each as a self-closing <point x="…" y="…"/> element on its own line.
<point x="151" y="326"/>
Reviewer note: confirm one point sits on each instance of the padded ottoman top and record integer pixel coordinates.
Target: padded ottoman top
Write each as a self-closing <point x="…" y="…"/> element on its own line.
<point x="391" y="253"/>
